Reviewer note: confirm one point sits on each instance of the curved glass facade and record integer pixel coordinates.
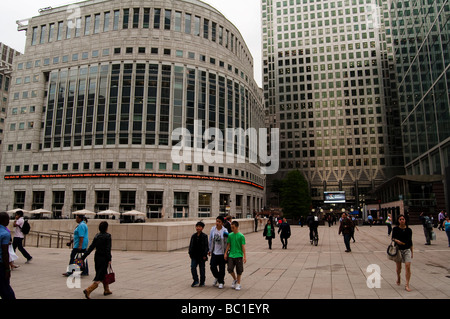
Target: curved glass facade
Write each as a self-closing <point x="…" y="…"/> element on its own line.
<point x="110" y="84"/>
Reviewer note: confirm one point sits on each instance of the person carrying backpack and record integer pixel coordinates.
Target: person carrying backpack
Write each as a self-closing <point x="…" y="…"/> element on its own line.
<point x="22" y="228"/>
<point x="427" y="227"/>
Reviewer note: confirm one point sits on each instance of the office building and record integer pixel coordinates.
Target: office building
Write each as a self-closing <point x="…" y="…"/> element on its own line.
<point x="100" y="89"/>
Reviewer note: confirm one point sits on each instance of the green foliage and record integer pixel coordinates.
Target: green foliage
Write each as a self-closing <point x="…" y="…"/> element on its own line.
<point x="295" y="196"/>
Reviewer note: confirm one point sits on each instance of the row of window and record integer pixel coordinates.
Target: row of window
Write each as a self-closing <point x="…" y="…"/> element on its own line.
<point x="118" y="50"/>
<point x="99" y="104"/>
<point x="128" y="200"/>
<point x="358" y="162"/>
<point x="140" y="18"/>
<point x="148" y="166"/>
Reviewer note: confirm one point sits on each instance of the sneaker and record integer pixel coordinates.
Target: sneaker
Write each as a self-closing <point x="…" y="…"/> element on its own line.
<point x="220" y="286"/>
<point x="215" y="282"/>
<point x="238" y="287"/>
<point x="194" y="284"/>
<point x="202" y="285"/>
<point x="28" y="260"/>
<point x="233" y="284"/>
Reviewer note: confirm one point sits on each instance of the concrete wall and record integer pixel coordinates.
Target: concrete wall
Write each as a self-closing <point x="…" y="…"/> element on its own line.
<point x="159" y="236"/>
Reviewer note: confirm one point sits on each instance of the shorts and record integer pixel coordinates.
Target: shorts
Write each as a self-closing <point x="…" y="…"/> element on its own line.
<point x="406" y="255"/>
<point x="236" y="262"/>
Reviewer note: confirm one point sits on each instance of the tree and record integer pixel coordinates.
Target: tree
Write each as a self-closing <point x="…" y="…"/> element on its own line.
<point x="295" y="196"/>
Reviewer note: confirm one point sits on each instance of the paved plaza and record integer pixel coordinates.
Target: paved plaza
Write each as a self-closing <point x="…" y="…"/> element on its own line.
<point x="300" y="272"/>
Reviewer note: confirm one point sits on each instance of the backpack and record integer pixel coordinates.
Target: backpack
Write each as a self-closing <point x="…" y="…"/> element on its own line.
<point x="428" y="223"/>
<point x="25" y="227"/>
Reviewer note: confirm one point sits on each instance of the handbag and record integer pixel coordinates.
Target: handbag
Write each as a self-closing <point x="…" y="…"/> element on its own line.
<point x="393" y="253"/>
<point x="79" y="261"/>
<point x="110" y="277"/>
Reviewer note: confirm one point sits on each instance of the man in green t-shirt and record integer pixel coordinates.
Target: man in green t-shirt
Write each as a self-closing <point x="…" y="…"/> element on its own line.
<point x="237" y="256"/>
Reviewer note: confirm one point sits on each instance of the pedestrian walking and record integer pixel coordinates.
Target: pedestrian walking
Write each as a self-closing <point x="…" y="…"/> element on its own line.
<point x="389" y="224"/>
<point x="217" y="245"/>
<point x="19" y="236"/>
<point x="102" y="259"/>
<point x="446" y="224"/>
<point x="285" y="230"/>
<point x="346" y="228"/>
<point x="370" y="219"/>
<point x="441" y="219"/>
<point x="269" y="233"/>
<point x="235" y="255"/>
<point x="402" y="236"/>
<point x="6" y="292"/>
<point x="427" y="224"/>
<point x="354" y="227"/>
<point x="80" y="244"/>
<point x="198" y="252"/>
<point x="227" y="223"/>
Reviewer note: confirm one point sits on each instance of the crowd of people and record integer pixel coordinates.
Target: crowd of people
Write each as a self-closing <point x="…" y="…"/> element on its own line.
<point x="225" y="247"/>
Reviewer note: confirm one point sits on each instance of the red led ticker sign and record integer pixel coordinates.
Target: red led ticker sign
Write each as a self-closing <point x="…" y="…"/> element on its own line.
<point x="142" y="175"/>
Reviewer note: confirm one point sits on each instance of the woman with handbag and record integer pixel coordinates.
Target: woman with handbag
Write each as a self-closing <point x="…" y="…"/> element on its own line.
<point x="102" y="259"/>
<point x="402" y="236"/>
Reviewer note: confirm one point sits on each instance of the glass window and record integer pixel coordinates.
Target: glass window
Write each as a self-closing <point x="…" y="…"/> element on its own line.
<point x="34" y="36"/>
<point x="187" y="23"/>
<point x="177" y="21"/>
<point x="106" y="19"/>
<point x="146" y="18"/>
<point x="157" y="19"/>
<point x="167" y="19"/>
<point x="126" y="17"/>
<point x="60" y="30"/>
<point x="43" y="34"/>
<point x="135" y="18"/>
<point x="87" y="25"/>
<point x="96" y="23"/>
<point x="116" y="20"/>
<point x="197" y="26"/>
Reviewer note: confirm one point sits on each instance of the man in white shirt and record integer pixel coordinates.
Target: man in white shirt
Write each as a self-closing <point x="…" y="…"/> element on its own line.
<point x="217" y="246"/>
<point x="18" y="236"/>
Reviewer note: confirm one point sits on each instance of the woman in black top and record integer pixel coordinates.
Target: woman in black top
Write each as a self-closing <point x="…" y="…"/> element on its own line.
<point x="402" y="236"/>
<point x="102" y="258"/>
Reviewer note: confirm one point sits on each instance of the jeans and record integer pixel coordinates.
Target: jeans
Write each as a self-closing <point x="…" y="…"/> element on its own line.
<point x="347" y="238"/>
<point x="201" y="265"/>
<point x="6" y="292"/>
<point x="427" y="233"/>
<point x="18" y="243"/>
<point x="218" y="273"/>
<point x="448" y="235"/>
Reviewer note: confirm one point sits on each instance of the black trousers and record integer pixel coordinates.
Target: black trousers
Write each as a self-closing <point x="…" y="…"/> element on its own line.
<point x="18" y="243"/>
<point x="217" y="266"/>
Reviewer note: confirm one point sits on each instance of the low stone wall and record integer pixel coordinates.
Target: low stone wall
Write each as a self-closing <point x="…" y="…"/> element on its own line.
<point x="155" y="236"/>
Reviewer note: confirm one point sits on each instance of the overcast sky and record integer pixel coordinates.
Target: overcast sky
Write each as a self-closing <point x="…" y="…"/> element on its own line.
<point x="244" y="14"/>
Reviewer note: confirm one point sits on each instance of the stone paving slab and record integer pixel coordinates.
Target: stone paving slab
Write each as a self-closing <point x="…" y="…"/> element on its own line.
<point x="302" y="271"/>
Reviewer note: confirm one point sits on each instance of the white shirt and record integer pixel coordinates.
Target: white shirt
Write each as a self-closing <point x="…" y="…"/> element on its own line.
<point x="216" y="236"/>
<point x="17" y="230"/>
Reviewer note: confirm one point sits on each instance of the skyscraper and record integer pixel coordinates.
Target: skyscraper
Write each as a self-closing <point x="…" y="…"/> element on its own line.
<point x="327" y="76"/>
<point x="7" y="55"/>
<point x="421" y="32"/>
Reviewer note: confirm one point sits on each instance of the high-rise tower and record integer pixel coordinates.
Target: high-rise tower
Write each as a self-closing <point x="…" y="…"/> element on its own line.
<point x="327" y="77"/>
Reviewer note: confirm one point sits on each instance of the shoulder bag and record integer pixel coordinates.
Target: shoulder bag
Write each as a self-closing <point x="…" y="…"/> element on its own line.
<point x="393" y="253"/>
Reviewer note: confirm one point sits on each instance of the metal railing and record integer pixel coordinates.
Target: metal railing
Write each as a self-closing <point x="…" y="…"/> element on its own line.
<point x="60" y="236"/>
